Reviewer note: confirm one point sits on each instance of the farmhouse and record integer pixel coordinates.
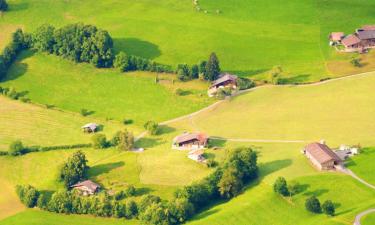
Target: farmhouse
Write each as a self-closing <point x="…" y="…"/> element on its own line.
<point x="322" y="156"/>
<point x="225" y="80"/>
<point x="86" y="187"/>
<point x="190" y="141"/>
<point x="90" y="127"/>
<point x="197" y="155"/>
<point x="362" y="39"/>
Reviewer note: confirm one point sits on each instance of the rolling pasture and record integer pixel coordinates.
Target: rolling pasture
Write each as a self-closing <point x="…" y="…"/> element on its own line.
<point x="249" y="37"/>
<point x="363" y="165"/>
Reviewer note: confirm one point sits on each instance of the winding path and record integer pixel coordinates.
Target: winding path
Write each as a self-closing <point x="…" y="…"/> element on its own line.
<point x="362" y="214"/>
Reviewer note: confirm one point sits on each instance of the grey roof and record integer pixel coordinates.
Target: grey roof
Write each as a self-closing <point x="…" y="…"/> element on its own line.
<point x="321" y="152"/>
<point x="92" y="126"/>
<point x="88" y="184"/>
<point x="223" y="78"/>
<point x="366" y="34"/>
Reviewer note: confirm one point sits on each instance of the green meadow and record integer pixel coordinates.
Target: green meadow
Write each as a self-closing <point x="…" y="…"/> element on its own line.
<point x="369" y="219"/>
<point x="363" y="165"/>
<point x="249" y="38"/>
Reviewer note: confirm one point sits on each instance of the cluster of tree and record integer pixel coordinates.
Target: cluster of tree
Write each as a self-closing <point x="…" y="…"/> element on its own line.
<point x="76" y="42"/>
<point x="28" y="195"/>
<point x="207" y="70"/>
<point x="16" y="148"/>
<point x="313" y="205"/>
<point x="283" y="188"/>
<point x="12" y="93"/>
<point x="74" y="170"/>
<point x="123" y="140"/>
<point x="125" y="62"/>
<point x="244" y="83"/>
<point x="3" y="5"/>
<point x="20" y="41"/>
<point x="152" y="127"/>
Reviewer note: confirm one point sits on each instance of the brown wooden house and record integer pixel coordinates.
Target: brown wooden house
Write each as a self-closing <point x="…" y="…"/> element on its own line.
<point x="86" y="187"/>
<point x="190" y="141"/>
<point x="225" y="80"/>
<point x="322" y="156"/>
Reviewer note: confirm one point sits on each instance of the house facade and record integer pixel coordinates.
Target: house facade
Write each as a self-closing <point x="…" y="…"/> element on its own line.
<point x="190" y="141"/>
<point x="224" y="81"/>
<point x="321" y="156"/>
<point x="86" y="187"/>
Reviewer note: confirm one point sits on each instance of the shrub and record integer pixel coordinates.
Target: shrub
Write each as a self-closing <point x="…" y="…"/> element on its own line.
<point x="179" y="92"/>
<point x="211" y="163"/>
<point x="312" y="204"/>
<point x="16" y="148"/>
<point x="245" y="83"/>
<point x="127" y="121"/>
<point x="119" y="195"/>
<point x="99" y="141"/>
<point x="28" y="195"/>
<point x="328" y="208"/>
<point x="356" y="62"/>
<point x="152" y="127"/>
<point x="84" y="112"/>
<point x="280" y="186"/>
<point x="131" y="210"/>
<point x="130" y="191"/>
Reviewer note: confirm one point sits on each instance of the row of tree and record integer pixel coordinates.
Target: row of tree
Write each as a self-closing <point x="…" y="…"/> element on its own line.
<point x="123" y="140"/>
<point x="125" y="62"/>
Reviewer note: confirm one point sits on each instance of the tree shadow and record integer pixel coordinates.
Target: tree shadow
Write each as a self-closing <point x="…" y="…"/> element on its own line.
<point x="216" y="143"/>
<point x="137" y="47"/>
<point x="104" y="168"/>
<point x="149" y="142"/>
<point x="273" y="166"/>
<point x="165" y="129"/>
<point x="143" y="191"/>
<point x="300" y="188"/>
<point x="316" y="193"/>
<point x="18" y="6"/>
<point x="185" y="93"/>
<point x="294" y="80"/>
<point x="205" y="214"/>
<point x="344" y="212"/>
<point x="18" y="68"/>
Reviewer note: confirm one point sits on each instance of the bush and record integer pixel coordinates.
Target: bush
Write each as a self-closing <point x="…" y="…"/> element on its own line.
<point x="328" y="208"/>
<point x="245" y="83"/>
<point x="127" y="121"/>
<point x="84" y="112"/>
<point x="28" y="195"/>
<point x="152" y="127"/>
<point x="130" y="191"/>
<point x="312" y="204"/>
<point x="211" y="163"/>
<point x="3" y="5"/>
<point x="16" y="148"/>
<point x="99" y="141"/>
<point x="281" y="187"/>
<point x="126" y="140"/>
<point x="131" y="210"/>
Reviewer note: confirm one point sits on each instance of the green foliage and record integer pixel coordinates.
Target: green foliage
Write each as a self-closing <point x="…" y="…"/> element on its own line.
<point x="121" y="62"/>
<point x="230" y="185"/>
<point x="154" y="214"/>
<point x="179" y="210"/>
<point x="211" y="163"/>
<point x="126" y="140"/>
<point x="244" y="83"/>
<point x="152" y="127"/>
<point x="183" y="72"/>
<point x="99" y="141"/>
<point x="60" y="202"/>
<point x="43" y="38"/>
<point x="16" y="148"/>
<point x="130" y="191"/>
<point x="202" y="68"/>
<point x="356" y="62"/>
<point x="312" y="204"/>
<point x="74" y="169"/>
<point x="131" y="209"/>
<point x="194" y="73"/>
<point x="84" y="112"/>
<point x="28" y="195"/>
<point x="328" y="208"/>
<point x="274" y="74"/>
<point x="3" y="5"/>
<point x="212" y="71"/>
<point x="280" y="186"/>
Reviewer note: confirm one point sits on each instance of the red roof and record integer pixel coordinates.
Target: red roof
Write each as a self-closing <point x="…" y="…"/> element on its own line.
<point x="321" y="152"/>
<point x="368" y="27"/>
<point x="336" y="36"/>
<point x="351" y="40"/>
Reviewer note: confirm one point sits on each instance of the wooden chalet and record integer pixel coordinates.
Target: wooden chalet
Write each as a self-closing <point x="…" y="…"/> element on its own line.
<point x="86" y="187"/>
<point x="322" y="156"/>
<point x="361" y="40"/>
<point x="225" y="80"/>
<point x="190" y="141"/>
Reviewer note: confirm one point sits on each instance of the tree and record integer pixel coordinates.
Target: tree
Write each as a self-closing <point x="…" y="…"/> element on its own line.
<point x="328" y="208"/>
<point x="43" y="38"/>
<point x="154" y="214"/>
<point x="131" y="210"/>
<point x="74" y="169"/>
<point x="244" y="83"/>
<point x="356" y="62"/>
<point x="275" y="74"/>
<point x="121" y="62"/>
<point x="212" y="68"/>
<point x="61" y="202"/>
<point x="179" y="210"/>
<point x="152" y="127"/>
<point x="202" y="68"/>
<point x="194" y="72"/>
<point x="28" y="195"/>
<point x="183" y="72"/>
<point x="230" y="183"/>
<point x="125" y="140"/>
<point x="130" y="191"/>
<point x="280" y="186"/>
<point x="16" y="148"/>
<point x="3" y="5"/>
<point x="99" y="141"/>
<point x="312" y="204"/>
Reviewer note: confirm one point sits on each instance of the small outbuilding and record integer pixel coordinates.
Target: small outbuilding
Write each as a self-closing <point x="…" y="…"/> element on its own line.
<point x="197" y="155"/>
<point x="190" y="141"/>
<point x="224" y="81"/>
<point x="336" y="37"/>
<point x="86" y="187"/>
<point x="90" y="127"/>
<point x="322" y="156"/>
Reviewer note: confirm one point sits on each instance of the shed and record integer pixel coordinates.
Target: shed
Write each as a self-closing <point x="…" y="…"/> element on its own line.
<point x="86" y="187"/>
<point x="336" y="36"/>
<point x="90" y="127"/>
<point x="322" y="156"/>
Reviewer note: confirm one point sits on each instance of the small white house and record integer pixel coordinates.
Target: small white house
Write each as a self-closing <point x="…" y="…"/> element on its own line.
<point x="197" y="155"/>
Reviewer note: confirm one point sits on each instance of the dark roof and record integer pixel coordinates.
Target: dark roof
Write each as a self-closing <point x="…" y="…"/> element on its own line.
<point x="88" y="184"/>
<point x="321" y="152"/>
<point x="350" y="40"/>
<point x="223" y="78"/>
<point x="368" y="27"/>
<point x="202" y="138"/>
<point x="366" y="34"/>
<point x="336" y="36"/>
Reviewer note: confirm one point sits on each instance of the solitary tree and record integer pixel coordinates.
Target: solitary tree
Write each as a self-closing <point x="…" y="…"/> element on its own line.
<point x="194" y="72"/>
<point x="328" y="208"/>
<point x="3" y="5"/>
<point x="280" y="186"/>
<point x="126" y="140"/>
<point x="212" y="68"/>
<point x="275" y="74"/>
<point x="312" y="204"/>
<point x="74" y="169"/>
<point x="152" y="127"/>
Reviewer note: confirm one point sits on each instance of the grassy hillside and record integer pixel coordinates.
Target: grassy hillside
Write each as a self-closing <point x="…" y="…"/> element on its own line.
<point x="249" y="38"/>
<point x="363" y="165"/>
<point x="339" y="112"/>
<point x="369" y="219"/>
<point x="107" y="93"/>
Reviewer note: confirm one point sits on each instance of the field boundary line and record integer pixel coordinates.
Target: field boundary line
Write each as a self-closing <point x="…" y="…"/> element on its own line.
<point x="257" y="140"/>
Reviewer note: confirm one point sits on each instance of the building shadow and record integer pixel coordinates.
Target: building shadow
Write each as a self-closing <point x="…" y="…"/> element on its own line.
<point x="18" y="68"/>
<point x="104" y="168"/>
<point x="165" y="129"/>
<point x="137" y="47"/>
